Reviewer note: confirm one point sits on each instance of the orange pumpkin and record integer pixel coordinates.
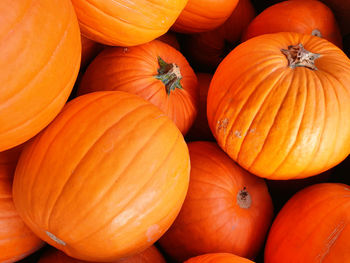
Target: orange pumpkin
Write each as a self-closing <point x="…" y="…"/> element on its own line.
<point x="16" y="240"/>
<point x="39" y="61"/>
<point x="126" y="23"/>
<point x="226" y="208"/>
<point x="155" y="71"/>
<point x="200" y="129"/>
<point x="314" y="226"/>
<point x="305" y="17"/>
<point x="96" y="184"/>
<point x="203" y="15"/>
<point x="170" y="39"/>
<point x="218" y="258"/>
<point x="89" y="51"/>
<point x="150" y="255"/>
<point x="279" y="105"/>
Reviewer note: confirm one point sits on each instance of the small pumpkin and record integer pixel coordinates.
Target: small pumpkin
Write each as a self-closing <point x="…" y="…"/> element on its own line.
<point x="226" y="209"/>
<point x="218" y="258"/>
<point x="314" y="226"/>
<point x="203" y="15"/>
<point x="126" y="23"/>
<point x="39" y="61"/>
<point x="150" y="255"/>
<point x="305" y="17"/>
<point x="155" y="71"/>
<point x="16" y="240"/>
<point x="279" y="105"/>
<point x="96" y="184"/>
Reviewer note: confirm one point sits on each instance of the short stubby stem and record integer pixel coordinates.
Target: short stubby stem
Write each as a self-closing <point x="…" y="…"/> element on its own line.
<point x="244" y="199"/>
<point x="298" y="56"/>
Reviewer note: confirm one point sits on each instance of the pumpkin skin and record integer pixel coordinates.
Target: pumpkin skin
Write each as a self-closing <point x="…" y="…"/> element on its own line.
<point x="45" y="65"/>
<point x="170" y="39"/>
<point x="126" y="23"/>
<point x="200" y="130"/>
<point x="312" y="227"/>
<point x="341" y="10"/>
<point x="89" y="50"/>
<point x="296" y="16"/>
<point x="280" y="122"/>
<point x="206" y="50"/>
<point x="150" y="255"/>
<point x="134" y="70"/>
<point x="203" y="15"/>
<point x="226" y="209"/>
<point x="16" y="240"/>
<point x="218" y="258"/>
<point x="102" y="151"/>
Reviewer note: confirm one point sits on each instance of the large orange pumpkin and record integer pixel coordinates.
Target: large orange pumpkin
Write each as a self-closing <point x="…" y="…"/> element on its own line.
<point x="96" y="183"/>
<point x="126" y="23"/>
<point x="226" y="208"/>
<point x="150" y="255"/>
<point x="279" y="105"/>
<point x="218" y="258"/>
<point x="203" y="15"/>
<point x="39" y="62"/>
<point x="16" y="240"/>
<point x="155" y="71"/>
<point x="314" y="226"/>
<point x="301" y="16"/>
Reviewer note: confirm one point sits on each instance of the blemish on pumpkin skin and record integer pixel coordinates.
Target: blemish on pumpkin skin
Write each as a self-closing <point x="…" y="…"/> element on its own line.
<point x="222" y="125"/>
<point x="56" y="239"/>
<point x="125" y="49"/>
<point x="238" y="134"/>
<point x="152" y="233"/>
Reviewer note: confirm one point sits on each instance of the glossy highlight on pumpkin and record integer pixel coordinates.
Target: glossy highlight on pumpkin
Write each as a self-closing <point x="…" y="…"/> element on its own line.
<point x="95" y="183"/>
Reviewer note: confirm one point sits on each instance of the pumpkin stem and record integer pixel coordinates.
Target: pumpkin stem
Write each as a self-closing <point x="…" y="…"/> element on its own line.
<point x="298" y="56"/>
<point x="243" y="198"/>
<point x="169" y="74"/>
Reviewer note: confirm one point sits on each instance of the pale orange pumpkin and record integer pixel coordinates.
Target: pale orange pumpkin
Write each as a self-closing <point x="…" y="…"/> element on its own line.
<point x="39" y="60"/>
<point x="96" y="184"/>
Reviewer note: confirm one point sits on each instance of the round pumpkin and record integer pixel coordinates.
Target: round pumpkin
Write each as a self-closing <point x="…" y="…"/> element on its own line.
<point x="314" y="226"/>
<point x="150" y="255"/>
<point x="96" y="184"/>
<point x="155" y="71"/>
<point x="218" y="258"/>
<point x="203" y="15"/>
<point x="200" y="129"/>
<point x="226" y="208"/>
<point x="305" y="17"/>
<point x="16" y="240"/>
<point x="279" y="105"/>
<point x="39" y="61"/>
<point x="126" y="23"/>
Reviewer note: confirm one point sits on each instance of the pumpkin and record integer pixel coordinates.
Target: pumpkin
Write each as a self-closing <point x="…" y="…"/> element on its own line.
<point x="95" y="184"/>
<point x="89" y="50"/>
<point x="150" y="255"/>
<point x="39" y="61"/>
<point x="203" y="15"/>
<point x="200" y="129"/>
<point x="305" y="17"/>
<point x="341" y="10"/>
<point x="126" y="23"/>
<point x="170" y="39"/>
<point x="279" y="105"/>
<point x="218" y="258"/>
<point x="16" y="240"/>
<point x="314" y="226"/>
<point x="155" y="71"/>
<point x="206" y="50"/>
<point x="226" y="209"/>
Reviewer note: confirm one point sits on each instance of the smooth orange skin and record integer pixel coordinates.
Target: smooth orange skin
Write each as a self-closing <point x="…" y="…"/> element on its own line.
<point x="150" y="255"/>
<point x="210" y="219"/>
<point x="39" y="61"/>
<point x="314" y="226"/>
<point x="170" y="39"/>
<point x="341" y="10"/>
<point x="89" y="50"/>
<point x="200" y="130"/>
<point x="277" y="122"/>
<point x="301" y="16"/>
<point x="134" y="69"/>
<point x="208" y="49"/>
<point x="203" y="15"/>
<point x="16" y="240"/>
<point x="126" y="23"/>
<point x="218" y="258"/>
<point x="97" y="179"/>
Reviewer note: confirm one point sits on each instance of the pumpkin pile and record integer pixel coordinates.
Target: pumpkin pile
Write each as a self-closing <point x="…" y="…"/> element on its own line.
<point x="197" y="131"/>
